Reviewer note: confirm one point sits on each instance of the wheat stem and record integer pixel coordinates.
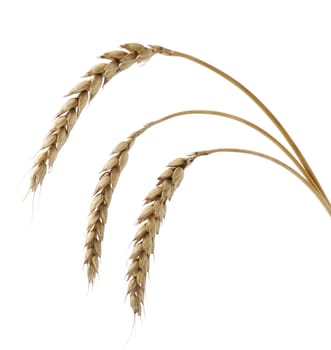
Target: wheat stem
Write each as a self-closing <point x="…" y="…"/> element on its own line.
<point x="258" y="102"/>
<point x="240" y="120"/>
<point x="320" y="197"/>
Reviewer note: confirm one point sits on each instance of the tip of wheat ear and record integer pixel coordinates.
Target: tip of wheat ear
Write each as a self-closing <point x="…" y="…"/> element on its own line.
<point x="149" y="222"/>
<point x="79" y="97"/>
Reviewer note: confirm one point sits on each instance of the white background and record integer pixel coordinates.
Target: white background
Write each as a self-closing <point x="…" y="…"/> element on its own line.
<point x="243" y="258"/>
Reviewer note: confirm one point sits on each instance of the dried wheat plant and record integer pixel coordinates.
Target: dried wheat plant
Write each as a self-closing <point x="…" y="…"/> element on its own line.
<point x="152" y="215"/>
<point x="154" y="212"/>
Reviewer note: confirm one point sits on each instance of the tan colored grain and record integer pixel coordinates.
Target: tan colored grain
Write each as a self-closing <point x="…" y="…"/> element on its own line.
<point x="80" y="96"/>
<point x="149" y="224"/>
<point x="100" y="203"/>
<point x="101" y="199"/>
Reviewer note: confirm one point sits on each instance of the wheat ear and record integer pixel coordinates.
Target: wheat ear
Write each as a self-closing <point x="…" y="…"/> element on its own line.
<point x="154" y="212"/>
<point x="99" y="207"/>
<point x="149" y="221"/>
<point x="80" y="96"/>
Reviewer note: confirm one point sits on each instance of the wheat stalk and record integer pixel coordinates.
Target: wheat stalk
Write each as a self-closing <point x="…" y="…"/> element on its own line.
<point x="154" y="212"/>
<point x="111" y="171"/>
<point x="80" y="96"/>
<point x="310" y="174"/>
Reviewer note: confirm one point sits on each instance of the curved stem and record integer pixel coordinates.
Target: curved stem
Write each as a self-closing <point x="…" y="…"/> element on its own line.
<point x="259" y="103"/>
<point x="321" y="198"/>
<point x="235" y="118"/>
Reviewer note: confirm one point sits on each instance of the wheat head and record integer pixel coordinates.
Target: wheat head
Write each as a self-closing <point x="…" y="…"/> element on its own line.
<point x="99" y="207"/>
<point x="149" y="221"/>
<point x="80" y="96"/>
